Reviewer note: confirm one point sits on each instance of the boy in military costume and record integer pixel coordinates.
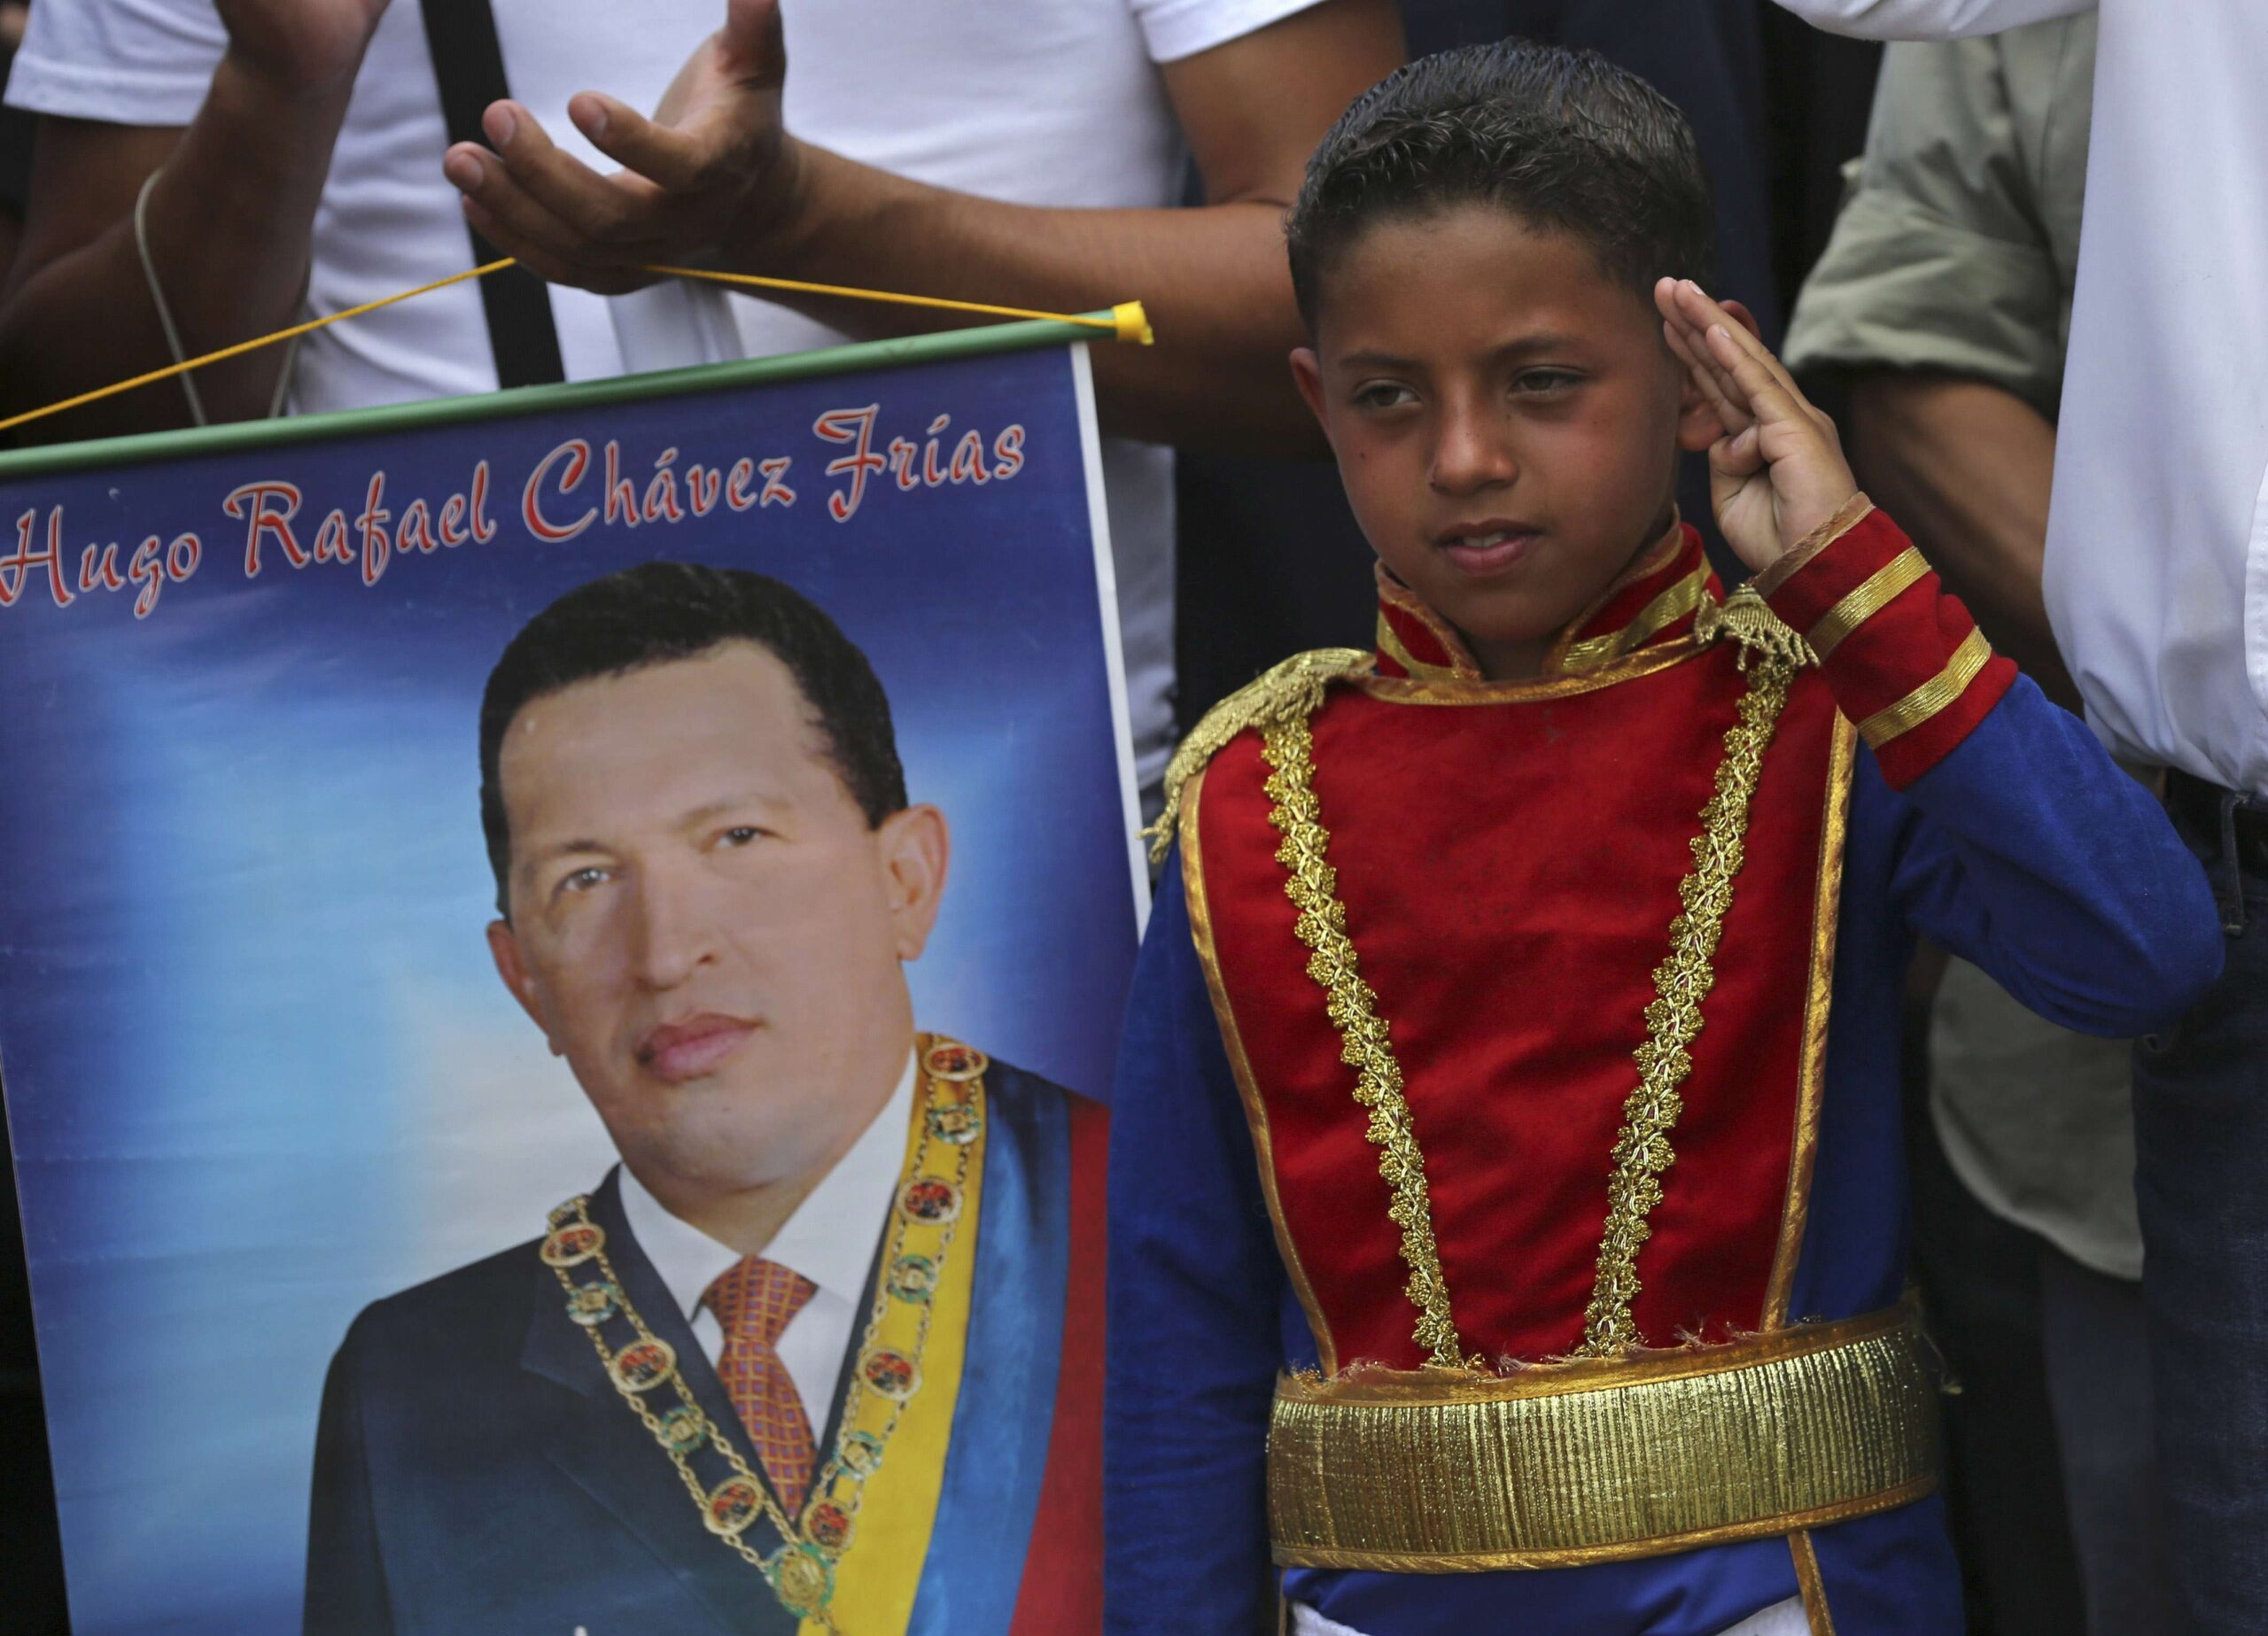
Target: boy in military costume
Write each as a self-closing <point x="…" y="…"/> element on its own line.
<point x="1506" y="1195"/>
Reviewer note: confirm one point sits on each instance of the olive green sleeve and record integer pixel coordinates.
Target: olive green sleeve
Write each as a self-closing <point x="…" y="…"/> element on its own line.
<point x="1940" y="260"/>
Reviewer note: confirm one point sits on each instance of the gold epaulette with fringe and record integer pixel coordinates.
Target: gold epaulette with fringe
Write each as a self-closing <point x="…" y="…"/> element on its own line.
<point x="1746" y="618"/>
<point x="1294" y="688"/>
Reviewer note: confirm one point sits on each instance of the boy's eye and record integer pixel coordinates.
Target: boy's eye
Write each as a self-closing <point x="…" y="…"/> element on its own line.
<point x="1543" y="383"/>
<point x="1383" y="395"/>
<point x="739" y="835"/>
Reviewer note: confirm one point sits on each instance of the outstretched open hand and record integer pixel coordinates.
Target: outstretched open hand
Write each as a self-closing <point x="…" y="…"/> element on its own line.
<point x="1777" y="472"/>
<point x="713" y="165"/>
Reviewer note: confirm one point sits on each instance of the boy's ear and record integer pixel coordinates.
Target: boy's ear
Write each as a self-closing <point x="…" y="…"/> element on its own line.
<point x="1307" y="373"/>
<point x="1697" y="425"/>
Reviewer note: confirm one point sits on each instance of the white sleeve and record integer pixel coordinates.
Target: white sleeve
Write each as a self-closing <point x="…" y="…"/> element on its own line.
<point x="1929" y="19"/>
<point x="1173" y="29"/>
<point x="125" y="62"/>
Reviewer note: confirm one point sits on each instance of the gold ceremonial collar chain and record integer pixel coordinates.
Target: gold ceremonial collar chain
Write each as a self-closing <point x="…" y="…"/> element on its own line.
<point x="643" y="1368"/>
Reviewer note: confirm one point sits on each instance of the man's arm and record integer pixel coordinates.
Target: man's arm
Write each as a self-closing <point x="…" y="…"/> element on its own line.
<point x="1929" y="19"/>
<point x="715" y="177"/>
<point x="229" y="223"/>
<point x="1967" y="466"/>
<point x="1940" y="297"/>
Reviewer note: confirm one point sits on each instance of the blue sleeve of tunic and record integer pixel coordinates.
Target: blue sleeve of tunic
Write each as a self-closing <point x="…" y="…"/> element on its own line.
<point x="1196" y="1290"/>
<point x="2028" y="852"/>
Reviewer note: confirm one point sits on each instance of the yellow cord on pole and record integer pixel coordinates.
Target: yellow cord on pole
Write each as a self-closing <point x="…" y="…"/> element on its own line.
<point x="1127" y="322"/>
<point x="241" y="347"/>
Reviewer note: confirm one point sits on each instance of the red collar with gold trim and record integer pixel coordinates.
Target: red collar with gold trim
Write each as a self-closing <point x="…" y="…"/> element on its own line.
<point x="1653" y="601"/>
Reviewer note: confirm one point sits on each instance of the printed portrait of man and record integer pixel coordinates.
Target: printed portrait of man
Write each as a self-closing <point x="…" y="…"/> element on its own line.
<point x="826" y="1345"/>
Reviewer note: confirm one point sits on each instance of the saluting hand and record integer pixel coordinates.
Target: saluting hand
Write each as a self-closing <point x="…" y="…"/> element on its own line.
<point x="1777" y="472"/>
<point x="712" y="165"/>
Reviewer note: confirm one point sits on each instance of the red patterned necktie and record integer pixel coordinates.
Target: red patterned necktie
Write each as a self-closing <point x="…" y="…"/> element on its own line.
<point x="754" y="1301"/>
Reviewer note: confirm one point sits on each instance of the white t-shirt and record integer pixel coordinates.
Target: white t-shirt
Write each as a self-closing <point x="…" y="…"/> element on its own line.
<point x="1040" y="102"/>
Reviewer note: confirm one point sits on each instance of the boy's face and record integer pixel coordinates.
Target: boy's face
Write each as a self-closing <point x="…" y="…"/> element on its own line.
<point x="1507" y="420"/>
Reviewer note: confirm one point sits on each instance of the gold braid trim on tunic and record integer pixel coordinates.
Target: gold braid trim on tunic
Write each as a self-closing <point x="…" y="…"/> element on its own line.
<point x="1674" y="1019"/>
<point x="1279" y="705"/>
<point x="1292" y="690"/>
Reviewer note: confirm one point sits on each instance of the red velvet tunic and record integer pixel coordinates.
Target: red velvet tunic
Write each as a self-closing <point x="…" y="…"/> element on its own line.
<point x="1509" y="854"/>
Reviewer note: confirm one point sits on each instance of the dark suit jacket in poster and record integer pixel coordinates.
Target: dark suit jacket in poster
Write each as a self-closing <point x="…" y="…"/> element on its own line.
<point x="476" y="1473"/>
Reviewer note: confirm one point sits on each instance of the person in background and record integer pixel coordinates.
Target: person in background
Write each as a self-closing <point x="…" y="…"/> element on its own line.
<point x="274" y="155"/>
<point x="2157" y="587"/>
<point x="15" y="141"/>
<point x="1944" y="301"/>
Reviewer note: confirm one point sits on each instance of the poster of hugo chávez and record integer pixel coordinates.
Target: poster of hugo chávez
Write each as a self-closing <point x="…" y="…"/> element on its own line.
<point x="557" y="957"/>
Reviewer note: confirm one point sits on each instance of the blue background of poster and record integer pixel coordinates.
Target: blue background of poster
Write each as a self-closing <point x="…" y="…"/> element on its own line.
<point x="258" y="1068"/>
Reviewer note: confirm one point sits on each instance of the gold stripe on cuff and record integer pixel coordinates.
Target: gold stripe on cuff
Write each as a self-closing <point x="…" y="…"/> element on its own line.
<point x="1870" y="597"/>
<point x="1924" y="702"/>
<point x="1853" y="512"/>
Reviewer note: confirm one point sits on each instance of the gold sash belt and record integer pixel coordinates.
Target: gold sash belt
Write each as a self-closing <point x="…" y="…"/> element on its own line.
<point x="1438" y="1471"/>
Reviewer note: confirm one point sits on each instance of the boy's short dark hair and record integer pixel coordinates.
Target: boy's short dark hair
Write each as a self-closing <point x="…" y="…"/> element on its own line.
<point x="660" y="611"/>
<point x="1563" y="139"/>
